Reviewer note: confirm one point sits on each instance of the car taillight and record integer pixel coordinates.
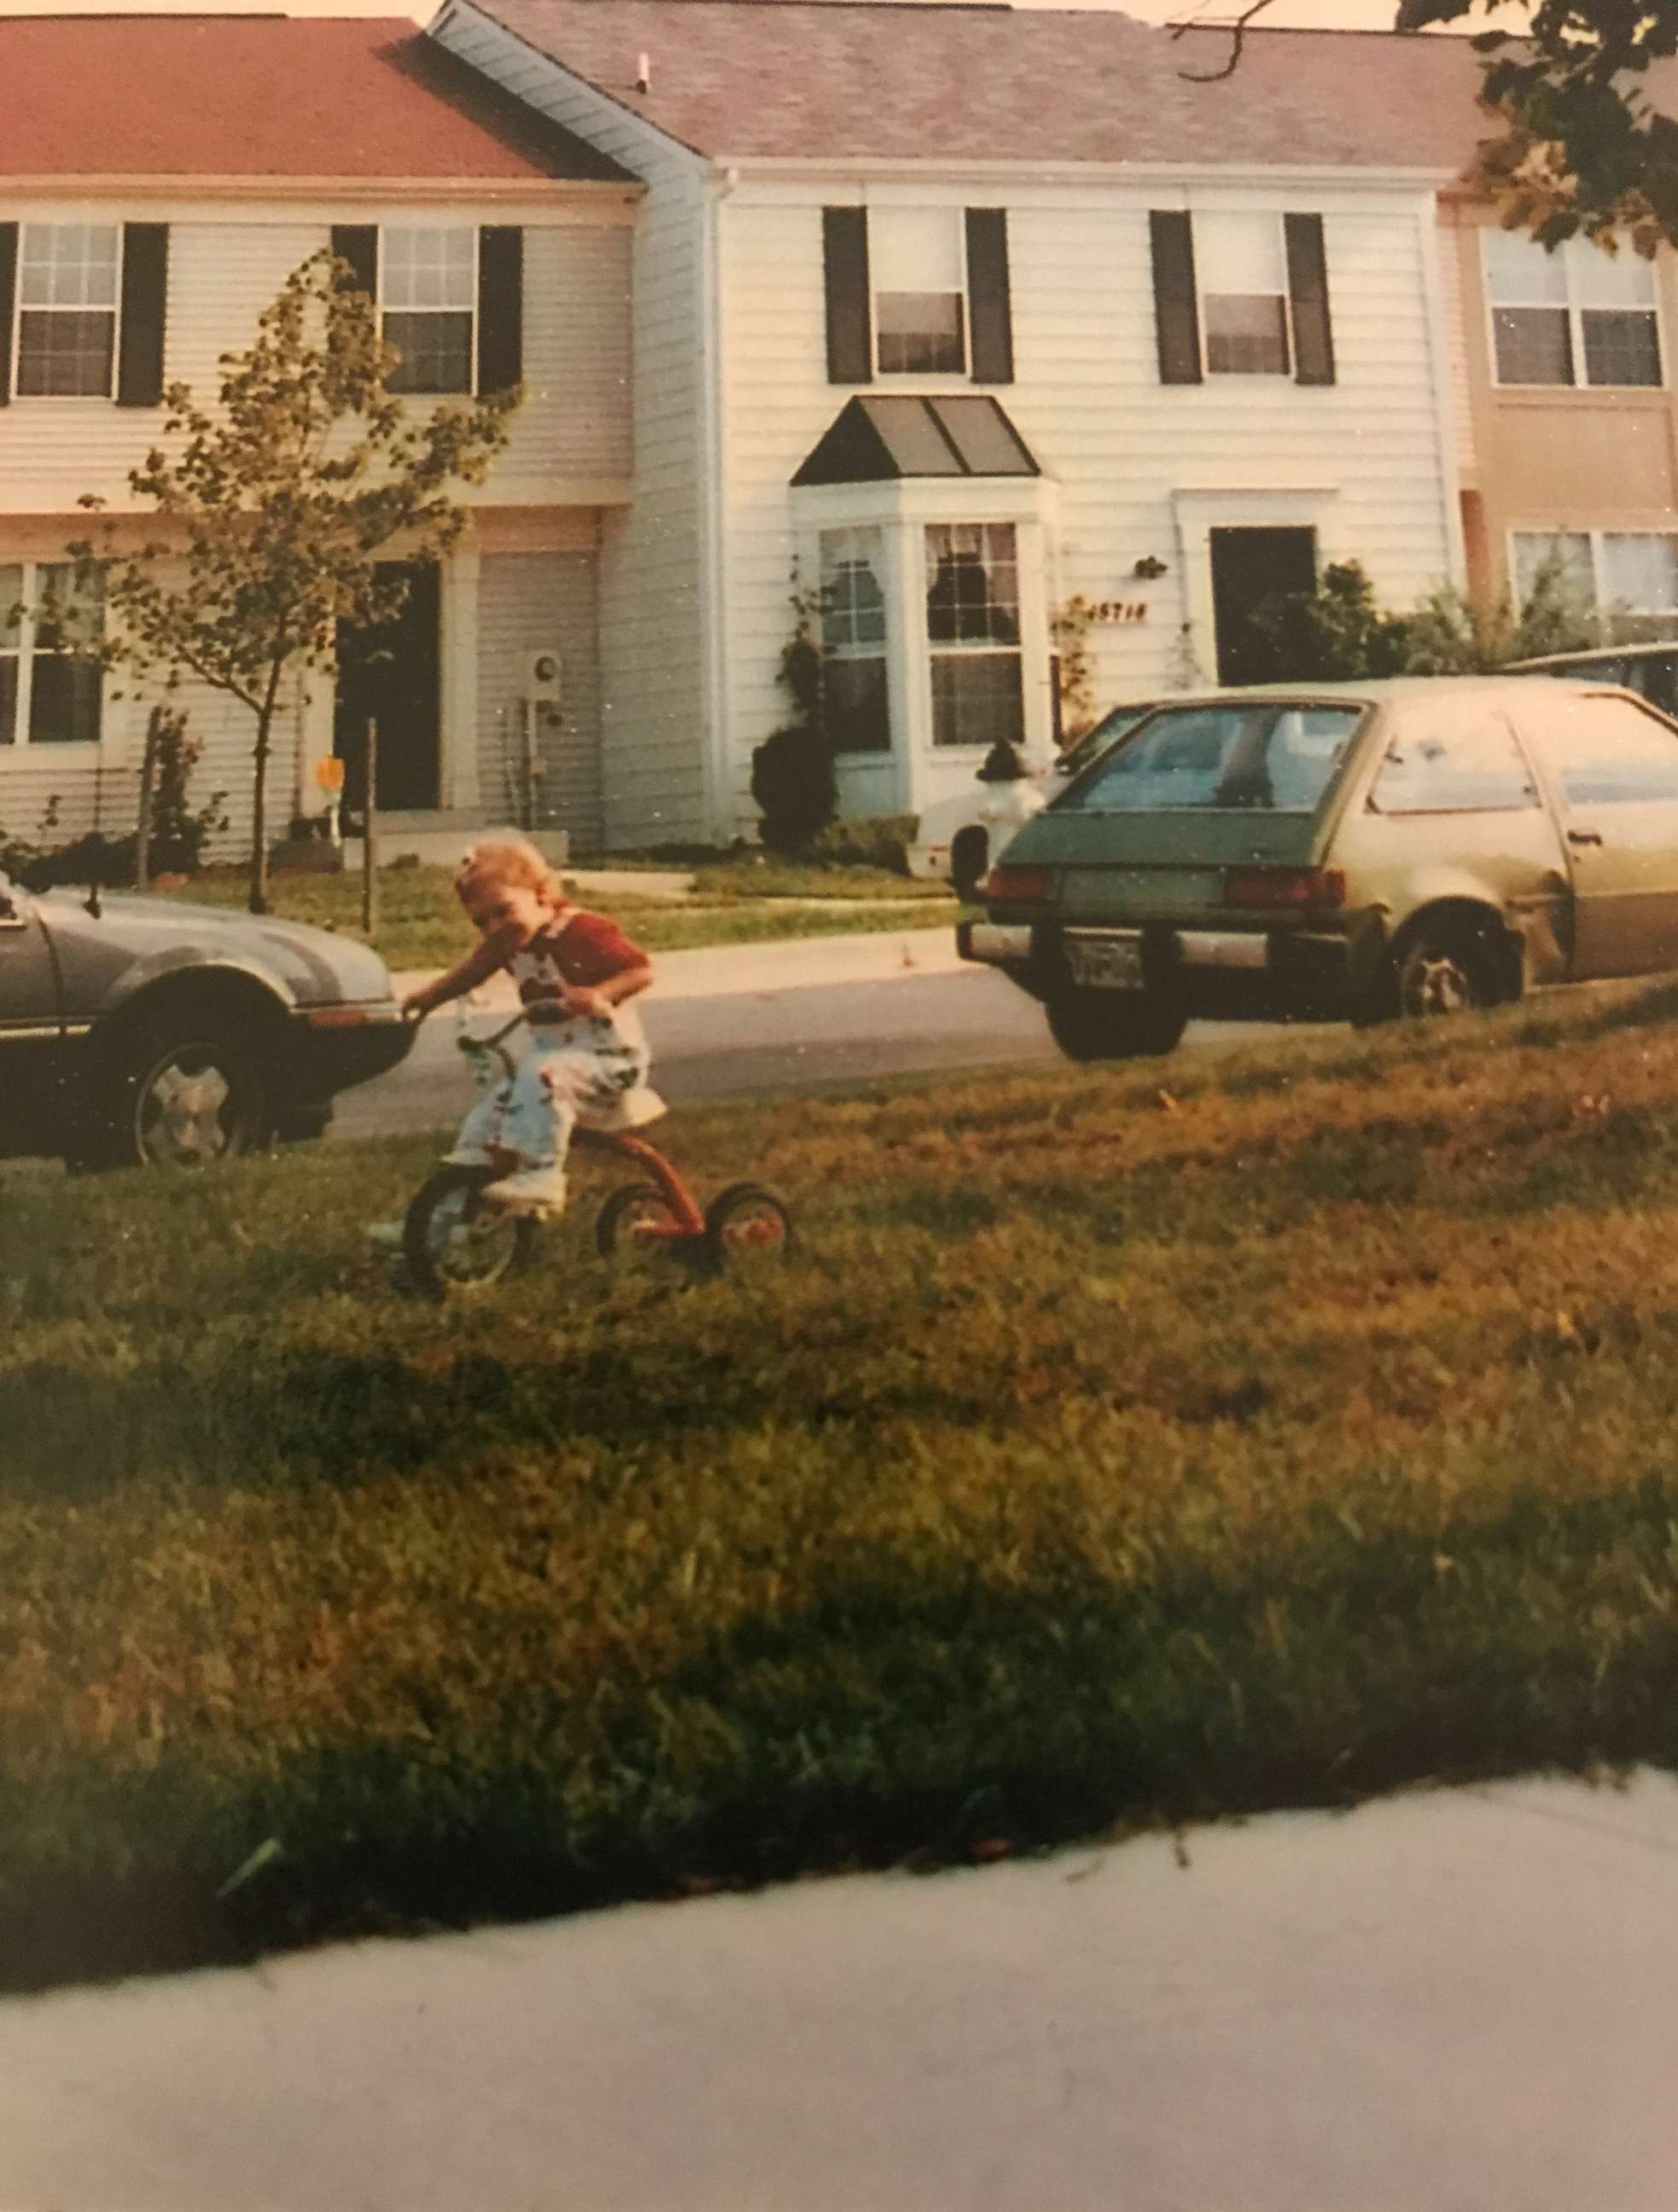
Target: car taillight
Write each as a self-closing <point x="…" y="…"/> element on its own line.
<point x="1027" y="886"/>
<point x="1284" y="890"/>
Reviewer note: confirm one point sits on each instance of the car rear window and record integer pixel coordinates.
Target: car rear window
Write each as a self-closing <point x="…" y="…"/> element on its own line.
<point x="1267" y="756"/>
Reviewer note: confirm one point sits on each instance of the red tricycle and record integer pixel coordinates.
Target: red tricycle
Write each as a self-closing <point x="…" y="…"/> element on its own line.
<point x="455" y="1240"/>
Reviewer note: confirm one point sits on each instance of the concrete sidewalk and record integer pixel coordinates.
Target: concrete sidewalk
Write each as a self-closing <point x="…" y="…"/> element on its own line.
<point x="1465" y="2001"/>
<point x="715" y="971"/>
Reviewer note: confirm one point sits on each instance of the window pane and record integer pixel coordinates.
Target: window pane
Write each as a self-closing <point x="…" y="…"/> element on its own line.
<point x="8" y="698"/>
<point x="64" y="700"/>
<point x="852" y="603"/>
<point x="915" y="249"/>
<point x="1640" y="571"/>
<point x="1239" y="253"/>
<point x="855" y="713"/>
<point x="1533" y="345"/>
<point x="1443" y="761"/>
<point x="436" y="352"/>
<point x="1519" y="273"/>
<point x="1607" y="751"/>
<point x="1276" y="758"/>
<point x="427" y="268"/>
<point x="972" y="584"/>
<point x="1246" y="334"/>
<point x="1620" y="347"/>
<point x="68" y="264"/>
<point x="11" y="602"/>
<point x="67" y="617"/>
<point x="921" y="333"/>
<point x="1533" y="548"/>
<point x="1597" y="279"/>
<point x="64" y="354"/>
<point x="976" y="699"/>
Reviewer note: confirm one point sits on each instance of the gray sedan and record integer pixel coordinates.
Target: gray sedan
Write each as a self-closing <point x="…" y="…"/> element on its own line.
<point x="140" y="1030"/>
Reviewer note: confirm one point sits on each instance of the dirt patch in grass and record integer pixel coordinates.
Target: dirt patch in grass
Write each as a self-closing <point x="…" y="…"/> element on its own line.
<point x="1122" y="1446"/>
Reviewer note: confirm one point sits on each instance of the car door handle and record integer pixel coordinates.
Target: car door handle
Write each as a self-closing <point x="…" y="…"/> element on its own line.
<point x="1584" y="837"/>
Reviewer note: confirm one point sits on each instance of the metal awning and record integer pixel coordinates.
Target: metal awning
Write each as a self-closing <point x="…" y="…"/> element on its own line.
<point x="879" y="439"/>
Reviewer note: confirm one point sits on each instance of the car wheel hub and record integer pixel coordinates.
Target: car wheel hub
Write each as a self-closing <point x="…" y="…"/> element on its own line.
<point x="1437" y="986"/>
<point x="183" y="1115"/>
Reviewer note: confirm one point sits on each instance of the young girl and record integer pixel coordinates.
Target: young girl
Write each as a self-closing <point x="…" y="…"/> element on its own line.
<point x="588" y="1055"/>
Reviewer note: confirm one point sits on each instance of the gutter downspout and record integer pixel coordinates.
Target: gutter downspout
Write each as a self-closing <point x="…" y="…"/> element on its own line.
<point x="719" y="798"/>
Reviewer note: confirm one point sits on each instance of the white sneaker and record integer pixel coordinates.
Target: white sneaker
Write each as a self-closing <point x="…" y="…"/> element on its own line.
<point x="467" y="1155"/>
<point x="533" y="1190"/>
<point x="386" y="1236"/>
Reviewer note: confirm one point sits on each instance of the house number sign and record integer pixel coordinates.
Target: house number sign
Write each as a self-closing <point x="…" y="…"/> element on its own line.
<point x="1119" y="611"/>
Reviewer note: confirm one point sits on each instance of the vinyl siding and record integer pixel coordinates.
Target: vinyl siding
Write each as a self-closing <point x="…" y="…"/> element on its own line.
<point x="1116" y="444"/>
<point x="1456" y="303"/>
<point x="527" y="601"/>
<point x="653" y="704"/>
<point x="225" y="268"/>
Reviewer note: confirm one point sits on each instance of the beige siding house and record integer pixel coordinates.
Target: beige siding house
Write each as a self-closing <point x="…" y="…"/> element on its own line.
<point x="153" y="199"/>
<point x="948" y="318"/>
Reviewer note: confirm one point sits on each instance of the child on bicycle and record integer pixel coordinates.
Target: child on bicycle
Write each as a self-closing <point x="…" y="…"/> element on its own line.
<point x="587" y="1056"/>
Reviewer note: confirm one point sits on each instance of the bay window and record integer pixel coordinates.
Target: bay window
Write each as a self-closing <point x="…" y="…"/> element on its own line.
<point x="972" y="574"/>
<point x="855" y="708"/>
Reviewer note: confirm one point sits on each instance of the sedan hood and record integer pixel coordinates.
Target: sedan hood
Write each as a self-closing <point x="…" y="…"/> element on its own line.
<point x="318" y="965"/>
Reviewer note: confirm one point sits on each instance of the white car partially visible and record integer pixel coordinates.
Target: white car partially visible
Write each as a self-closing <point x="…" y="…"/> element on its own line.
<point x="957" y="839"/>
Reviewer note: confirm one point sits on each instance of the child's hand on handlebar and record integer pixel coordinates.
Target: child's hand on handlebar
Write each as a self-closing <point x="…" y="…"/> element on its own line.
<point x="580" y="999"/>
<point x="415" y="1008"/>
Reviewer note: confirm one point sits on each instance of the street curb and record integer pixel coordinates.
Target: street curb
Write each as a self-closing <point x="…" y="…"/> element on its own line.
<point x="720" y="971"/>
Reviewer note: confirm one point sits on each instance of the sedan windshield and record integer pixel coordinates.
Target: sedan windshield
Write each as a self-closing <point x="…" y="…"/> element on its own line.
<point x="1267" y="755"/>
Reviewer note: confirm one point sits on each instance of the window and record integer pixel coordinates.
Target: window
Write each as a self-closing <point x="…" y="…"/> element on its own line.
<point x="1631" y="575"/>
<point x="1243" y="274"/>
<point x="1446" y="760"/>
<point x="67" y="282"/>
<point x="920" y="288"/>
<point x="1576" y="316"/>
<point x="1271" y="758"/>
<point x="1605" y="752"/>
<point x="855" y="709"/>
<point x="50" y="684"/>
<point x="429" y="283"/>
<point x="973" y="628"/>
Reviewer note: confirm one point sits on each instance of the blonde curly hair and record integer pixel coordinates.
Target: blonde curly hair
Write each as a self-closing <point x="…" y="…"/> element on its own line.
<point x="509" y="860"/>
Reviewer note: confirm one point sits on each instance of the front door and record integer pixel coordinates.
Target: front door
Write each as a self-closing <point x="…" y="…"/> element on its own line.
<point x="390" y="675"/>
<point x="1247" y="567"/>
<point x="1614" y="766"/>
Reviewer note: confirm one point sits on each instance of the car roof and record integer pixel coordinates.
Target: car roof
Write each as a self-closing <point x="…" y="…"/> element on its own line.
<point x="1374" y="692"/>
<point x="1590" y="656"/>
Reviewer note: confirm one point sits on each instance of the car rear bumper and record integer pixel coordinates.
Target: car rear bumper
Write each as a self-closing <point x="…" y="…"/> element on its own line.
<point x="1280" y="975"/>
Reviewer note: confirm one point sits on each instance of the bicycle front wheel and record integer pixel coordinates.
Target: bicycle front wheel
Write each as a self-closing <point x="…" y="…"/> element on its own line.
<point x="454" y="1243"/>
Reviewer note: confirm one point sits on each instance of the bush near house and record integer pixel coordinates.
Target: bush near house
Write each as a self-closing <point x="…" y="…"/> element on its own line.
<point x="1108" y="1456"/>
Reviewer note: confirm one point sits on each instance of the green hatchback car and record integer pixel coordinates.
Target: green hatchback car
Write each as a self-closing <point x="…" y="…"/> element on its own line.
<point x="1342" y="852"/>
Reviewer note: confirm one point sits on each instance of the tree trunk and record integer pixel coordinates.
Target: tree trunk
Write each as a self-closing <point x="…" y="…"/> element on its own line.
<point x="147" y="782"/>
<point x="257" y="902"/>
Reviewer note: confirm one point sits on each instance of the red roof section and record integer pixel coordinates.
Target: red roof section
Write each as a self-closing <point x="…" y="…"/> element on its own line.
<point x="263" y="96"/>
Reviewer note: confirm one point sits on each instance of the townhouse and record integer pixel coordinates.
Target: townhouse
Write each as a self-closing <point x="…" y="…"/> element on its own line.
<point x="947" y="318"/>
<point x="160" y="177"/>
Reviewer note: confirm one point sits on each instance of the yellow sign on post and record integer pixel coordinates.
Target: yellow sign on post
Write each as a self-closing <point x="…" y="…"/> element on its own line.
<point x="329" y="775"/>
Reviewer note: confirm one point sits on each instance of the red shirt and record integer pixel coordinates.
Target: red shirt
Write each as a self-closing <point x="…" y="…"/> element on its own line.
<point x="577" y="948"/>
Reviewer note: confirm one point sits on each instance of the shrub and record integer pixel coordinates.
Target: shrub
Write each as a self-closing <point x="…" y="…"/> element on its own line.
<point x="869" y="840"/>
<point x="1336" y="632"/>
<point x="791" y="771"/>
<point x="180" y="831"/>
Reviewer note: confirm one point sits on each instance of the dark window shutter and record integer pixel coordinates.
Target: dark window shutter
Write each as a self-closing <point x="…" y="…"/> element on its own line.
<point x="145" y="291"/>
<point x="7" y="289"/>
<point x="850" y="321"/>
<point x="1176" y="322"/>
<point x="989" y="309"/>
<point x="357" y="243"/>
<point x="501" y="307"/>
<point x="1308" y="287"/>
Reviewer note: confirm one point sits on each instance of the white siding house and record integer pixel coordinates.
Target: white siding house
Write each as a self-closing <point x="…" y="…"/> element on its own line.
<point x="141" y="245"/>
<point x="1178" y="342"/>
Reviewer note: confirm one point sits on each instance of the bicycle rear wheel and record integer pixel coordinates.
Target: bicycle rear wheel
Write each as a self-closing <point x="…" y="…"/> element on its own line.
<point x="747" y="1223"/>
<point x="637" y="1227"/>
<point x="454" y="1245"/>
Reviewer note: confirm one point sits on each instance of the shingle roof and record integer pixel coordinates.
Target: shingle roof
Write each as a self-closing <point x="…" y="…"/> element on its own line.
<point x="876" y="79"/>
<point x="160" y="96"/>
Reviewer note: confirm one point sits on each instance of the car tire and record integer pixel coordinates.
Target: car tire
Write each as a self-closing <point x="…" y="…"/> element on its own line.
<point x="1445" y="971"/>
<point x="1090" y="1026"/>
<point x="970" y="861"/>
<point x="177" y="1093"/>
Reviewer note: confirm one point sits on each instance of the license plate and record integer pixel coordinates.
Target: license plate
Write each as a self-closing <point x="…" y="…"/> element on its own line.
<point x="1106" y="964"/>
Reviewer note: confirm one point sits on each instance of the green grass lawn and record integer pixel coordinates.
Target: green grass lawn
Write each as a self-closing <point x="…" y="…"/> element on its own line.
<point x="734" y="902"/>
<point x="1122" y="1447"/>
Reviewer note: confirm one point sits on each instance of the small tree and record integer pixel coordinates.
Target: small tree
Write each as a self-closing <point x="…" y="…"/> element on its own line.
<point x="1336" y="631"/>
<point x="283" y="499"/>
<point x="1450" y="635"/>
